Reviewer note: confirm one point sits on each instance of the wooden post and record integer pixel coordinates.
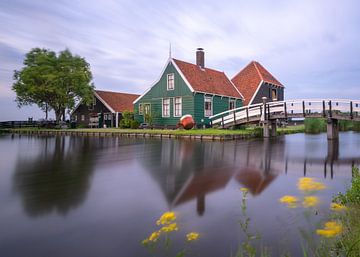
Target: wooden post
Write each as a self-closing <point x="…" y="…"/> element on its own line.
<point x="351" y="110"/>
<point x="247" y="113"/>
<point x="285" y="110"/>
<point x="330" y="109"/>
<point x="234" y="117"/>
<point x="222" y="121"/>
<point x="324" y="111"/>
<point x="332" y="129"/>
<point x="303" y="106"/>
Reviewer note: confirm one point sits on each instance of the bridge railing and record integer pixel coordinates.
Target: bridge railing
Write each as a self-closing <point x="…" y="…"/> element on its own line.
<point x="288" y="108"/>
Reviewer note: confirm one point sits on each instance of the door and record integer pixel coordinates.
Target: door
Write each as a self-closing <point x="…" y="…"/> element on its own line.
<point x="147" y="113"/>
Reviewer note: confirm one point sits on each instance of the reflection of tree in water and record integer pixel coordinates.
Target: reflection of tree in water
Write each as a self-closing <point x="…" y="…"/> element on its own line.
<point x="58" y="179"/>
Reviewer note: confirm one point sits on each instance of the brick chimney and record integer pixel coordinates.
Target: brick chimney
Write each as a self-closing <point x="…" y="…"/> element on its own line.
<point x="200" y="58"/>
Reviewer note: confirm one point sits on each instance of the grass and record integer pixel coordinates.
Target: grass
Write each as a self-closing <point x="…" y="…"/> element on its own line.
<point x="349" y="242"/>
<point x="318" y="125"/>
<point x="251" y="131"/>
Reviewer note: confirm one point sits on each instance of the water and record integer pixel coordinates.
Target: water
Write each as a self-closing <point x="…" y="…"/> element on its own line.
<point x="74" y="196"/>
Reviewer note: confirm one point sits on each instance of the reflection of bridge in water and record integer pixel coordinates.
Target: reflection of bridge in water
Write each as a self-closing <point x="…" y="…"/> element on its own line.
<point x="189" y="170"/>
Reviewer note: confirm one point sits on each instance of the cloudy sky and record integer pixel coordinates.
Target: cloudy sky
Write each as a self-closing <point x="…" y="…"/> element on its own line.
<point x="312" y="47"/>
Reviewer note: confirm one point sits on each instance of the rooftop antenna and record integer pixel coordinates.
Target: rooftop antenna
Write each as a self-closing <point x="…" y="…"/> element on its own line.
<point x="170" y="50"/>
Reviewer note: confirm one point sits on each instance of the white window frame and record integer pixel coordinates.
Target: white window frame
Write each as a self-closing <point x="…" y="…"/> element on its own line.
<point x="174" y="107"/>
<point x="140" y="110"/>
<point x="208" y="99"/>
<point x="162" y="107"/>
<point x="170" y="77"/>
<point x="232" y="101"/>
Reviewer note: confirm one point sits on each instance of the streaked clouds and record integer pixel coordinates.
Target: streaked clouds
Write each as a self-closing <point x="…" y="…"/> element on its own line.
<point x="310" y="46"/>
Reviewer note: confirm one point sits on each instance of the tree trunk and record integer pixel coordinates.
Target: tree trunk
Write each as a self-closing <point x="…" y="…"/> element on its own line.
<point x="46" y="111"/>
<point x="63" y="113"/>
<point x="58" y="114"/>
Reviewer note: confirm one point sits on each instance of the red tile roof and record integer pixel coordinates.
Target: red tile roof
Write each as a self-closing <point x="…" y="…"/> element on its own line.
<point x="207" y="80"/>
<point x="119" y="102"/>
<point x="249" y="78"/>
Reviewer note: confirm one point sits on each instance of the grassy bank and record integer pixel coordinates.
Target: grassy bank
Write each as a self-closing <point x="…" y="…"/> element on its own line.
<point x="251" y="131"/>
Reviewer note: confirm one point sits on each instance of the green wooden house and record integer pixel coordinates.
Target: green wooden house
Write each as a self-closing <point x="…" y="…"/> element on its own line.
<point x="186" y="88"/>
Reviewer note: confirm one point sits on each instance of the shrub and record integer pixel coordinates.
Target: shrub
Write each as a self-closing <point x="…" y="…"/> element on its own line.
<point x="314" y="126"/>
<point x="134" y="124"/>
<point x="352" y="195"/>
<point x="126" y="120"/>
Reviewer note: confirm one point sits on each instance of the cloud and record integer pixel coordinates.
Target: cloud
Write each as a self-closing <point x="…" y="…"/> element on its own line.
<point x="310" y="46"/>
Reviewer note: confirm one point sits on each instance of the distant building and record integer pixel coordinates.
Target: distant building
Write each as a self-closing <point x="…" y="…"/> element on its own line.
<point x="186" y="88"/>
<point x="106" y="109"/>
<point x="255" y="82"/>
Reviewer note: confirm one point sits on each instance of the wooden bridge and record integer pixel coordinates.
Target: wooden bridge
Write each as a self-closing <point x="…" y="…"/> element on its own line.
<point x="268" y="113"/>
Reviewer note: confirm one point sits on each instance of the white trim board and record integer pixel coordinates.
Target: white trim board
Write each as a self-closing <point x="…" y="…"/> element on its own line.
<point x="257" y="90"/>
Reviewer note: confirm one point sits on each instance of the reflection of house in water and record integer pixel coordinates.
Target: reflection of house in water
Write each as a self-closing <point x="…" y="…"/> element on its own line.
<point x="187" y="170"/>
<point x="58" y="178"/>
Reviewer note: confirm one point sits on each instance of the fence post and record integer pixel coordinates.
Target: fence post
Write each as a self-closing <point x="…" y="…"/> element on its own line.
<point x="222" y="121"/>
<point x="330" y="109"/>
<point x="234" y="118"/>
<point x="324" y="111"/>
<point x="351" y="110"/>
<point x="285" y="110"/>
<point x="303" y="106"/>
<point x="247" y="113"/>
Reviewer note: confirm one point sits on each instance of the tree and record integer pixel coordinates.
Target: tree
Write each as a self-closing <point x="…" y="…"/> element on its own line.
<point x="53" y="82"/>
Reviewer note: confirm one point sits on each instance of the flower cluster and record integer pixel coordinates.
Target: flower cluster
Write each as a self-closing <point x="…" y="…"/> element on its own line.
<point x="289" y="200"/>
<point x="192" y="236"/>
<point x="168" y="223"/>
<point x="310" y="185"/>
<point x="331" y="229"/>
<point x="310" y="201"/>
<point x="337" y="207"/>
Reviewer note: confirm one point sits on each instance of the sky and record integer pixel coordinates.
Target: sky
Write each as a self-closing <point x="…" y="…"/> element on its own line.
<point x="312" y="47"/>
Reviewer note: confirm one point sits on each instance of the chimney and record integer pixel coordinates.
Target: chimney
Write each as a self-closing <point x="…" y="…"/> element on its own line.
<point x="200" y="58"/>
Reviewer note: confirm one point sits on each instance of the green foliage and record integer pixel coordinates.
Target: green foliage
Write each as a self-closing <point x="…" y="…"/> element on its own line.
<point x="134" y="124"/>
<point x="127" y="120"/>
<point x="352" y="195"/>
<point x="53" y="82"/>
<point x="356" y="126"/>
<point x="345" y="125"/>
<point x="314" y="125"/>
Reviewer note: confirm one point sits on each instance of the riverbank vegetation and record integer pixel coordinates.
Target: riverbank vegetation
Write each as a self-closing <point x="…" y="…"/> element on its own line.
<point x="316" y="125"/>
<point x="251" y="131"/>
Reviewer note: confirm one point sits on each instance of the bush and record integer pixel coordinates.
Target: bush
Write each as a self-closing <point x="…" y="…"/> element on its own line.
<point x="126" y="120"/>
<point x="352" y="195"/>
<point x="134" y="124"/>
<point x="314" y="126"/>
<point x="356" y="126"/>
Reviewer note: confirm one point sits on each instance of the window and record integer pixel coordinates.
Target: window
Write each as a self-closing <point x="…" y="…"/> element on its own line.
<point x="82" y="117"/>
<point x="177" y="107"/>
<point x="170" y="81"/>
<point x="140" y="109"/>
<point x="274" y="94"/>
<point x="208" y="106"/>
<point x="232" y="104"/>
<point x="166" y="107"/>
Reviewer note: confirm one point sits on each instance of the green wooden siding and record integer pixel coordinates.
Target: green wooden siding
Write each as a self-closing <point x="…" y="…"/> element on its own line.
<point x="220" y="104"/>
<point x="159" y="91"/>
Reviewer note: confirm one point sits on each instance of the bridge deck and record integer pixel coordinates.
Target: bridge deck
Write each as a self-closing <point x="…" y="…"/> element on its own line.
<point x="338" y="109"/>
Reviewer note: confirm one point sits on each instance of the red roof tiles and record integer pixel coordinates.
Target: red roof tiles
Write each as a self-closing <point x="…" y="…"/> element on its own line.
<point x="249" y="78"/>
<point x="207" y="80"/>
<point x="119" y="102"/>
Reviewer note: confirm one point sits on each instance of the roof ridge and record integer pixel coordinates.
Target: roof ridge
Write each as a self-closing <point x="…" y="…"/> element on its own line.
<point x="204" y="69"/>
<point x="114" y="92"/>
<point x="257" y="69"/>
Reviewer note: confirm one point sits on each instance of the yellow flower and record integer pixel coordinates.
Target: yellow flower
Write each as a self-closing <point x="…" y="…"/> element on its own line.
<point x="309" y="184"/>
<point x="289" y="200"/>
<point x="170" y="228"/>
<point x="154" y="236"/>
<point x="166" y="218"/>
<point x="310" y="201"/>
<point x="145" y="241"/>
<point x="337" y="207"/>
<point x="244" y="189"/>
<point x="192" y="236"/>
<point x="332" y="228"/>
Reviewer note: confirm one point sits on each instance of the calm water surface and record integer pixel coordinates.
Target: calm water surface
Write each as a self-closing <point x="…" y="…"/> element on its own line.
<point x="74" y="196"/>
